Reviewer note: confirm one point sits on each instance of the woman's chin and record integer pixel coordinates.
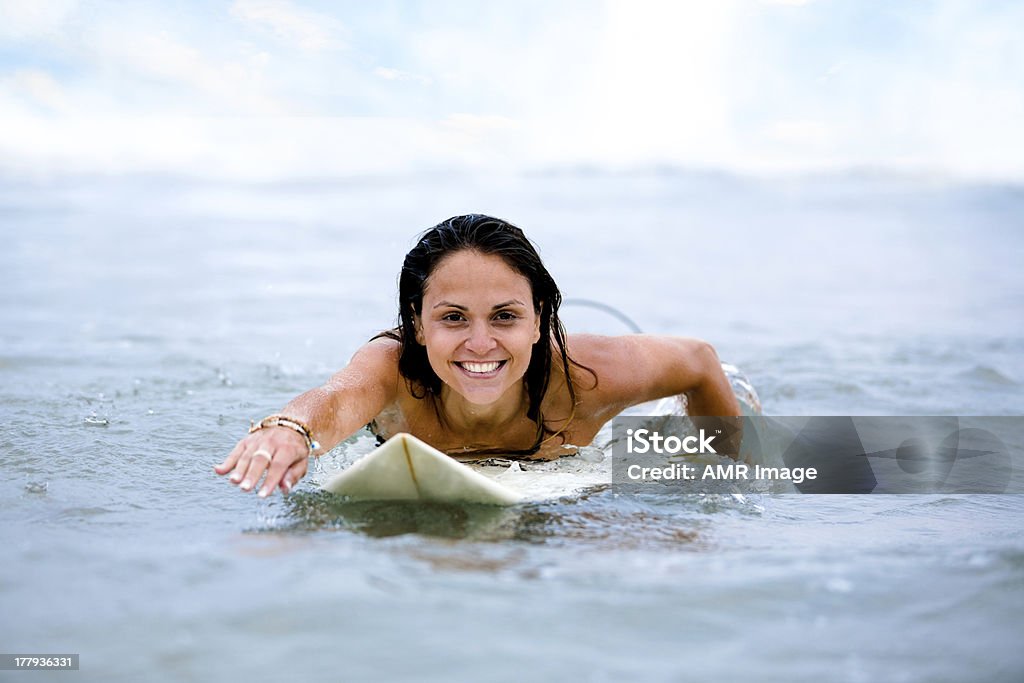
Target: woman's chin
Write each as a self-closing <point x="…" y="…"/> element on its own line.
<point x="478" y="392"/>
<point x="479" y="396"/>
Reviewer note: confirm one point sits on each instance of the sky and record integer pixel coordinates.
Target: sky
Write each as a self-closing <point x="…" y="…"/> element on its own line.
<point x="296" y="89"/>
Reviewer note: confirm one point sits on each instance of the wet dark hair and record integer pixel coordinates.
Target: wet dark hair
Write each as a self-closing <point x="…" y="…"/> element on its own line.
<point x="486" y="235"/>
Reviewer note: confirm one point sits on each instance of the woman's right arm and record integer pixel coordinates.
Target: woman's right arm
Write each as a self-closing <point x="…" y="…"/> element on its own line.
<point x="346" y="402"/>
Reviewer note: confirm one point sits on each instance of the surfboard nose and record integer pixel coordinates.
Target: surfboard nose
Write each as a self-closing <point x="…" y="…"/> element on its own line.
<point x="406" y="468"/>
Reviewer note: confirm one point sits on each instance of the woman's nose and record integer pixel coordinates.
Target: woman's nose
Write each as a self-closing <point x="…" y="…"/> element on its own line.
<point x="480" y="341"/>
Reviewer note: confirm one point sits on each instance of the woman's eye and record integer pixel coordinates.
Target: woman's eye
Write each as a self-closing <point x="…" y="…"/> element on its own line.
<point x="452" y="317"/>
<point x="506" y="316"/>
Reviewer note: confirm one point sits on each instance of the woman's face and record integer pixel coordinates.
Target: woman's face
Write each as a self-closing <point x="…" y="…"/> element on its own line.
<point x="478" y="324"/>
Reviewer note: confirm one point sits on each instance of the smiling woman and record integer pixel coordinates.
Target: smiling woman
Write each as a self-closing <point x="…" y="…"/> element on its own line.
<point x="480" y="364"/>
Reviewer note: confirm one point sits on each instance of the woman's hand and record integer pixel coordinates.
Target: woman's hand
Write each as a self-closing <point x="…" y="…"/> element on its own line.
<point x="352" y="397"/>
<point x="280" y="453"/>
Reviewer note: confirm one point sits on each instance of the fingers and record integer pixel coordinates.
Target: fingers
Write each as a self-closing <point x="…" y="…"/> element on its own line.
<point x="230" y="461"/>
<point x="260" y="460"/>
<point x="283" y="474"/>
<point x="278" y="457"/>
<point x="296" y="472"/>
<point x="275" y="472"/>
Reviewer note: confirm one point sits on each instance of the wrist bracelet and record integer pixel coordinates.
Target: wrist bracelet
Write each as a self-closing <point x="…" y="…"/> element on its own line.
<point x="290" y="423"/>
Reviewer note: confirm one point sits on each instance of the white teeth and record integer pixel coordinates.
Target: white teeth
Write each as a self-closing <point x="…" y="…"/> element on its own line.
<point x="481" y="367"/>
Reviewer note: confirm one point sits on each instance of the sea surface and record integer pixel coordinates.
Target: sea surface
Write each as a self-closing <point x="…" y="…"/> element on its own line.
<point x="144" y="320"/>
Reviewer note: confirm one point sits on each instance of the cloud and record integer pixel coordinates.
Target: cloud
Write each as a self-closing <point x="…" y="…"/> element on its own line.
<point x="478" y="123"/>
<point x="482" y="136"/>
<point x="172" y="75"/>
<point x="21" y="19"/>
<point x="389" y="74"/>
<point x="37" y="87"/>
<point x="245" y="148"/>
<point x="658" y="91"/>
<point x="291" y="25"/>
<point x="729" y="84"/>
<point x="802" y="133"/>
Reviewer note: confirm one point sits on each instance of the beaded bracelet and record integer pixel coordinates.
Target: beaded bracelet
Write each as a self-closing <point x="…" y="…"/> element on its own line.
<point x="290" y="423"/>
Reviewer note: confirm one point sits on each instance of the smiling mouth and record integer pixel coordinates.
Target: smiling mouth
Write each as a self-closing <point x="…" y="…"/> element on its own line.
<point x="487" y="368"/>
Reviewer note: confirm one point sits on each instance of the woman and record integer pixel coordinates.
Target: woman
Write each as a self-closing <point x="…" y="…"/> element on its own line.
<point x="480" y="364"/>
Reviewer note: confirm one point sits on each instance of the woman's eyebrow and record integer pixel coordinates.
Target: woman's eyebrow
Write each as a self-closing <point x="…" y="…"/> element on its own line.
<point x="439" y="304"/>
<point x="510" y="302"/>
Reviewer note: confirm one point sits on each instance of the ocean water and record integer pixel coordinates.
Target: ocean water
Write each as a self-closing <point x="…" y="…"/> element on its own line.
<point x="145" y="320"/>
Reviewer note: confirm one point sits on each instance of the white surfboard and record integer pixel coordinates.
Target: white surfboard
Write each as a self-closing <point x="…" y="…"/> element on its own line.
<point x="405" y="468"/>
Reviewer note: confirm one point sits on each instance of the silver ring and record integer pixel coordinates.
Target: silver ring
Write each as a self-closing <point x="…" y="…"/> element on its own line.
<point x="264" y="453"/>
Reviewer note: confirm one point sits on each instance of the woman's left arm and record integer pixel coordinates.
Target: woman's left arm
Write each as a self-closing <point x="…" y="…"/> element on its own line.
<point x="638" y="368"/>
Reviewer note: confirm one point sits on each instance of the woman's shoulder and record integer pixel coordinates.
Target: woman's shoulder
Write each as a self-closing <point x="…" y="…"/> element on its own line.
<point x="379" y="351"/>
<point x="374" y="363"/>
<point x="632" y="368"/>
<point x="386" y="343"/>
<point x="600" y="363"/>
<point x="605" y="349"/>
<point x="609" y="353"/>
<point x="593" y="347"/>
